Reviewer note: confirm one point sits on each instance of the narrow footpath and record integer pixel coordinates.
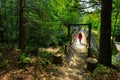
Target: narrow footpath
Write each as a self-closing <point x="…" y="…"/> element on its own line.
<point x="75" y="63"/>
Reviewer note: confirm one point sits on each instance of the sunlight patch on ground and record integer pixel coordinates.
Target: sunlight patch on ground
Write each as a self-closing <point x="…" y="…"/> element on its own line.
<point x="51" y="50"/>
<point x="68" y="73"/>
<point x="73" y="61"/>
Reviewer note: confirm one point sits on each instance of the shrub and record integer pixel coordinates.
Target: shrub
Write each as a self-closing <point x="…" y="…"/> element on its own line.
<point x="5" y="65"/>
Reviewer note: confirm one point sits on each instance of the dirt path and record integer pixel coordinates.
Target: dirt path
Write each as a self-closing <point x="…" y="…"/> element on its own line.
<point x="74" y="63"/>
<point x="75" y="68"/>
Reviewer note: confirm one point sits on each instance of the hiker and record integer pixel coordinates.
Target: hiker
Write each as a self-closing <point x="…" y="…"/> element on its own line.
<point x="80" y="37"/>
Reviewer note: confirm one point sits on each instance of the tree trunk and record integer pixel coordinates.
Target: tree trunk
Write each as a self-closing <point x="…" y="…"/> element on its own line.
<point x="1" y="27"/>
<point x="105" y="51"/>
<point x="21" y="26"/>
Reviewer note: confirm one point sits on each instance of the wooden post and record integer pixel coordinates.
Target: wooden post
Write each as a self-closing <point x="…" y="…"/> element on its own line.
<point x="89" y="41"/>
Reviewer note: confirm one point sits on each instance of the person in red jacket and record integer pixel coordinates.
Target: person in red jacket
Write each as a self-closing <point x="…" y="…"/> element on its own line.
<point x="80" y="36"/>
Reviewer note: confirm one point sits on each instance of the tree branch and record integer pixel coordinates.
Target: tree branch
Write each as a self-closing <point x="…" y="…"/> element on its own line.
<point x="88" y="6"/>
<point x="92" y="12"/>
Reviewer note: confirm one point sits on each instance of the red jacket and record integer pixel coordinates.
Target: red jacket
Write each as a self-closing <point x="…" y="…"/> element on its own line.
<point x="79" y="36"/>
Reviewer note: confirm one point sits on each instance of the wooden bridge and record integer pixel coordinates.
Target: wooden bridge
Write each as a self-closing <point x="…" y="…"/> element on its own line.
<point x="76" y="60"/>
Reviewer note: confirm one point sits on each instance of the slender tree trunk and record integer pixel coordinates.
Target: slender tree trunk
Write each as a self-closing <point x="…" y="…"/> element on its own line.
<point x="105" y="51"/>
<point x="21" y="26"/>
<point x="1" y="27"/>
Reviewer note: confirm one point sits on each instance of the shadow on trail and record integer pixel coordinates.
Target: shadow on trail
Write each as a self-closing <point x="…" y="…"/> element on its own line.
<point x="74" y="63"/>
<point x="75" y="68"/>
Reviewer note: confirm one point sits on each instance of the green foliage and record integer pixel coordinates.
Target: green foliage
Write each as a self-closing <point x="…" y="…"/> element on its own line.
<point x="44" y="54"/>
<point x="44" y="22"/>
<point x="9" y="22"/>
<point x="62" y="48"/>
<point x="44" y="63"/>
<point x="23" y="60"/>
<point x="5" y="65"/>
<point x="45" y="59"/>
<point x="102" y="68"/>
<point x="116" y="59"/>
<point x="101" y="73"/>
<point x="117" y="37"/>
<point x="42" y="33"/>
<point x="95" y="21"/>
<point x="1" y="54"/>
<point x="115" y="18"/>
<point x="114" y="52"/>
<point x="97" y="36"/>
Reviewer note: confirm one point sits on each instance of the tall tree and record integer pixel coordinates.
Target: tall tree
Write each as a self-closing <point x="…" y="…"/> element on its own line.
<point x="105" y="51"/>
<point x="21" y="26"/>
<point x="1" y="27"/>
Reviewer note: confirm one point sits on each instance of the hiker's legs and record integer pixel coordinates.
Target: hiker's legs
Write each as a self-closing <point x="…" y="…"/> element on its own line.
<point x="80" y="41"/>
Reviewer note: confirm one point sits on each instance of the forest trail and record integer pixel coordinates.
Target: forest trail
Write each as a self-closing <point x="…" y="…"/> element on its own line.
<point x="73" y="68"/>
<point x="75" y="63"/>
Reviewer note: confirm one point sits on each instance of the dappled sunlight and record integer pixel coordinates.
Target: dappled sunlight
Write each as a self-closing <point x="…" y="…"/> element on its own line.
<point x="59" y="39"/>
<point x="75" y="59"/>
<point x="68" y="73"/>
<point x="76" y="64"/>
<point x="50" y="49"/>
<point x="77" y="51"/>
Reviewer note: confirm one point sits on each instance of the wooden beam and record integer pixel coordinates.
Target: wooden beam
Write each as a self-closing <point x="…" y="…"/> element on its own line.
<point x="76" y="25"/>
